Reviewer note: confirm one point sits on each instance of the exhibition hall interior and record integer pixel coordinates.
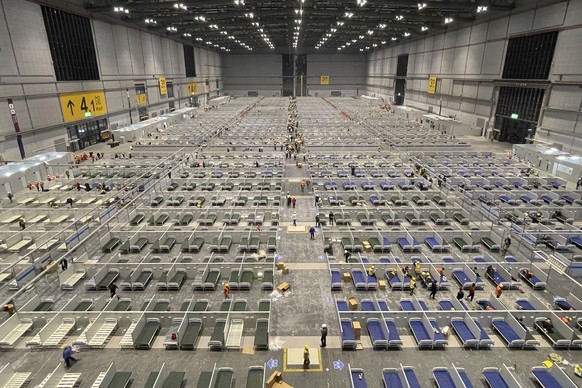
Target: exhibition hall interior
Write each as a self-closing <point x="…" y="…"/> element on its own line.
<point x="290" y="193"/>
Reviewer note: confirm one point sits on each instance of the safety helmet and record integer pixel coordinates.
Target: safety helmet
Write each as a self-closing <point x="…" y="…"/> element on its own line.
<point x="324" y="325"/>
<point x="306" y="346"/>
<point x="227" y="285"/>
<point x="64" y="346"/>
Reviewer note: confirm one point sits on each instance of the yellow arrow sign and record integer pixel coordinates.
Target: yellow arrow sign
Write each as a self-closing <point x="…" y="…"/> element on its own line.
<point x="77" y="106"/>
<point x="432" y="83"/>
<point x="324" y="80"/>
<point x="192" y="88"/>
<point x="163" y="86"/>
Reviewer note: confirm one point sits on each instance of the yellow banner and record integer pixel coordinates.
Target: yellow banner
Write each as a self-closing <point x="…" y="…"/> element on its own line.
<point x="324" y="80"/>
<point x="432" y="83"/>
<point x="77" y="106"/>
<point x="163" y="87"/>
<point x="192" y="88"/>
<point x="141" y="99"/>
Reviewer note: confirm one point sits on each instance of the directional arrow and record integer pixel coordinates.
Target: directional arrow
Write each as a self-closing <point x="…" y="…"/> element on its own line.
<point x="338" y="365"/>
<point x="272" y="363"/>
<point x="70" y="105"/>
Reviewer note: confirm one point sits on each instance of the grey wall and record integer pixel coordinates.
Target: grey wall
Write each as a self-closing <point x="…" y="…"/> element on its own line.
<point x="125" y="57"/>
<point x="347" y="73"/>
<point x="263" y="73"/>
<point x="253" y="72"/>
<point x="468" y="60"/>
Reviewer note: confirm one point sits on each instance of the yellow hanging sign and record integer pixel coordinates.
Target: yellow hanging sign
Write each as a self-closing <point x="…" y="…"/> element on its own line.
<point x="141" y="99"/>
<point x="163" y="86"/>
<point x="192" y="88"/>
<point x="432" y="84"/>
<point x="324" y="80"/>
<point x="80" y="105"/>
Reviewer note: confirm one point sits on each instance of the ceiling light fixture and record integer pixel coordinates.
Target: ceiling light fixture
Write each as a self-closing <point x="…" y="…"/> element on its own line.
<point x="370" y="32"/>
<point x="421" y="6"/>
<point x="448" y="20"/>
<point x="349" y="15"/>
<point x="406" y="34"/>
<point x="361" y="3"/>
<point x="187" y="34"/>
<point x="382" y="26"/>
<point x="151" y="21"/>
<point x="172" y="29"/>
<point x="181" y="6"/>
<point x="423" y="28"/>
<point x="482" y="8"/>
<point x="399" y="17"/>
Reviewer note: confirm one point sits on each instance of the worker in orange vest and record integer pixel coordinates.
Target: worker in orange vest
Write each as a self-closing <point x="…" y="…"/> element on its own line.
<point x="226" y="290"/>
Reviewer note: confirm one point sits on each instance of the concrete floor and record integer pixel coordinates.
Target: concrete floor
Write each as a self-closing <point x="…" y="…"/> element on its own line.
<point x="296" y="319"/>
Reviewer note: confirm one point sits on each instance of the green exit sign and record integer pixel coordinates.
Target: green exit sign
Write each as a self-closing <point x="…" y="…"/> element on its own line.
<point x="514" y="116"/>
<point x="87" y="114"/>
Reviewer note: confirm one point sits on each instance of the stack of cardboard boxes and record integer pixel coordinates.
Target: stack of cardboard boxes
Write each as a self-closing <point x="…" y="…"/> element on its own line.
<point x="276" y="381"/>
<point x="282" y="267"/>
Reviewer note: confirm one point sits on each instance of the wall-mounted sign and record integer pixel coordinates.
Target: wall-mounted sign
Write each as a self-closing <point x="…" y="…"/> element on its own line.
<point x="324" y="80"/>
<point x="77" y="106"/>
<point x="163" y="86"/>
<point x="432" y="84"/>
<point x="141" y="99"/>
<point x="192" y="88"/>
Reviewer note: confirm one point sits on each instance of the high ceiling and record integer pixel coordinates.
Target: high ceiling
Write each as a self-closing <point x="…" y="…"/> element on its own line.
<point x="280" y="25"/>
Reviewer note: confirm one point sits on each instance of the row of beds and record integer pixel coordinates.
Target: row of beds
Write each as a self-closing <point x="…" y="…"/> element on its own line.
<point x="215" y="201"/>
<point x="191" y="244"/>
<point x="240" y="279"/>
<point x="426" y="331"/>
<point x="396" y="217"/>
<point x="456" y="377"/>
<point x="398" y="281"/>
<point x="207" y="218"/>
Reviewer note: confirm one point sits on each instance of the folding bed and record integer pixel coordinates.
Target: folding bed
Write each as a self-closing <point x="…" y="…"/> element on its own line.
<point x="378" y="333"/>
<point x="145" y="338"/>
<point x="357" y="378"/>
<point x="512" y="333"/>
<point x="452" y="377"/>
<point x="427" y="333"/>
<point x="347" y="334"/>
<point x="400" y="378"/>
<point x="531" y="279"/>
<point x="470" y="332"/>
<point x="190" y="333"/>
<point x="12" y="379"/>
<point x="112" y="379"/>
<point x="500" y="377"/>
<point x="552" y="377"/>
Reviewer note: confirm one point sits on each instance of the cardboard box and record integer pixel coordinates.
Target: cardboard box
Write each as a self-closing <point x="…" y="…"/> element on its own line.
<point x="285" y="270"/>
<point x="353" y="304"/>
<point x="367" y="246"/>
<point x="347" y="277"/>
<point x="274" y="378"/>
<point x="382" y="285"/>
<point x="357" y="329"/>
<point x="283" y="287"/>
<point x="280" y="265"/>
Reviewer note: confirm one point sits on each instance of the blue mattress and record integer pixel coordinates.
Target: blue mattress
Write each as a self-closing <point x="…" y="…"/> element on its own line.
<point x="498" y="278"/>
<point x="392" y="380"/>
<point x="564" y="305"/>
<point x="359" y="379"/>
<point x="431" y="242"/>
<point x="411" y="377"/>
<point x="383" y="305"/>
<point x="576" y="240"/>
<point x="511" y="259"/>
<point x="568" y="198"/>
<point x="392" y="331"/>
<point x="461" y="277"/>
<point x="347" y="331"/>
<point x="419" y="330"/>
<point x="463" y="330"/>
<point x="545" y="378"/>
<point x="402" y="242"/>
<point x="546" y="198"/>
<point x="386" y="241"/>
<point x="465" y="378"/>
<point x="479" y="260"/>
<point x="342" y="305"/>
<point x="368" y="305"/>
<point x="446" y="305"/>
<point x="448" y="260"/>
<point x="484" y="304"/>
<point x="358" y="277"/>
<point x="484" y="335"/>
<point x="494" y="379"/>
<point x="443" y="379"/>
<point x="507" y="332"/>
<point x="423" y="305"/>
<point x="375" y="330"/>
<point x="406" y="305"/>
<point x="336" y="277"/>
